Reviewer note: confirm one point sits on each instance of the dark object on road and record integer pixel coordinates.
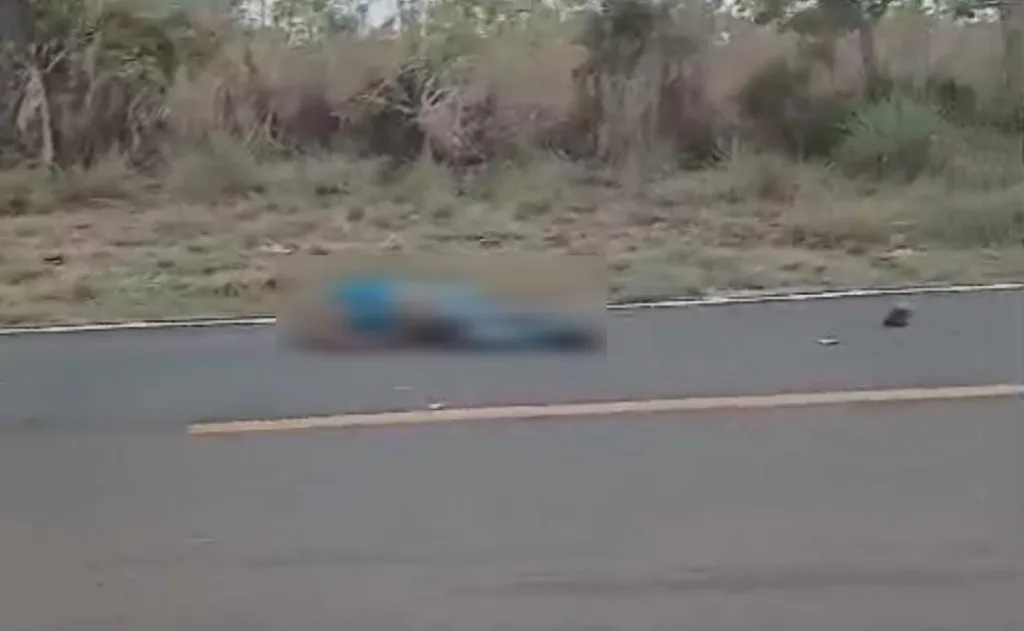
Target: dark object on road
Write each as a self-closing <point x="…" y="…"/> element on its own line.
<point x="899" y="316"/>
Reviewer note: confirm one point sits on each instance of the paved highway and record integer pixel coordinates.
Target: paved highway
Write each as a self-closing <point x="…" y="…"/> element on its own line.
<point x="888" y="518"/>
<point x="896" y="518"/>
<point x="146" y="379"/>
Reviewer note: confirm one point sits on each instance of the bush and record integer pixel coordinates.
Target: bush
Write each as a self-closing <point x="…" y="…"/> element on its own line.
<point x="895" y="139"/>
<point x="641" y="82"/>
<point x="788" y="115"/>
<point x="639" y="90"/>
<point x="962" y="104"/>
<point x="957" y="101"/>
<point x="95" y="82"/>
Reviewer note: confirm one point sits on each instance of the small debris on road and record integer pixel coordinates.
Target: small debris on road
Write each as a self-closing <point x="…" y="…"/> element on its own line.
<point x="898" y="316"/>
<point x="437" y="406"/>
<point x="828" y="341"/>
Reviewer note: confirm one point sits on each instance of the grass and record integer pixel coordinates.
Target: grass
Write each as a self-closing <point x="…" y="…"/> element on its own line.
<point x="131" y="248"/>
<point x="208" y="232"/>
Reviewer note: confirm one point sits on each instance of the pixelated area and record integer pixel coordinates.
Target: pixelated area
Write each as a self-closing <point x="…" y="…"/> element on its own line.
<point x="556" y="292"/>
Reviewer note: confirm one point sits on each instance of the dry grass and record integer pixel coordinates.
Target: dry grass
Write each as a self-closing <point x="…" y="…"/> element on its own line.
<point x="207" y="235"/>
<point x="126" y="251"/>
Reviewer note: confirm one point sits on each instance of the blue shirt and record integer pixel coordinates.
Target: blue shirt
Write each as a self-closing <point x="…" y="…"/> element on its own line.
<point x="370" y="304"/>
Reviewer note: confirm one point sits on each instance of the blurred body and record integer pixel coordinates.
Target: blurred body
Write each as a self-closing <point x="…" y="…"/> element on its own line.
<point x="377" y="313"/>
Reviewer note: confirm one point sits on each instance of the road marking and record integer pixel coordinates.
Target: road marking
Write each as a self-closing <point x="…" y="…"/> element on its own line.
<point x="611" y="408"/>
<point x="723" y="300"/>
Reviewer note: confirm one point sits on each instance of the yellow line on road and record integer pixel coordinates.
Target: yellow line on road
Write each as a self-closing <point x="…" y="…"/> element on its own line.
<point x="612" y="408"/>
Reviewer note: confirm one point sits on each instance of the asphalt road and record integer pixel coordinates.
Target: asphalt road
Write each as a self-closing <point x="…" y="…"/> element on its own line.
<point x="147" y="379"/>
<point x="889" y="518"/>
<point x="896" y="518"/>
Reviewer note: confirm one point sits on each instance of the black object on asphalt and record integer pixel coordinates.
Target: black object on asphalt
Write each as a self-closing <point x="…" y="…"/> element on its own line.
<point x="898" y="316"/>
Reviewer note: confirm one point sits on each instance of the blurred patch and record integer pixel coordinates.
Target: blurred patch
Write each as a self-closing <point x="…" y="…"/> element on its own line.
<point x="496" y="302"/>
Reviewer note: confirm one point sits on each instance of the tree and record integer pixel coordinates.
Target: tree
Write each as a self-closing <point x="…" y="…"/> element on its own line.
<point x="16" y="31"/>
<point x="828" y="20"/>
<point x="307" y="21"/>
<point x="1011" y="22"/>
<point x="16" y="22"/>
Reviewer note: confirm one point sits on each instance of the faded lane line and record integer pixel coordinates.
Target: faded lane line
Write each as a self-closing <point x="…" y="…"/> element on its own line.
<point x="611" y="408"/>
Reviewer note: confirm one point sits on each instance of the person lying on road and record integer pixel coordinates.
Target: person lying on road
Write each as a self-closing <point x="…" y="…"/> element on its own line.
<point x="378" y="313"/>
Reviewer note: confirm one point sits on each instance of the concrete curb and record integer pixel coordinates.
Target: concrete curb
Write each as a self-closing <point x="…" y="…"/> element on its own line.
<point x="634" y="305"/>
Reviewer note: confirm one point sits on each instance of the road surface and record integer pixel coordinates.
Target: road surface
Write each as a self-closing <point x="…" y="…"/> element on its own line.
<point x="134" y="379"/>
<point x="888" y="519"/>
<point x="892" y="518"/>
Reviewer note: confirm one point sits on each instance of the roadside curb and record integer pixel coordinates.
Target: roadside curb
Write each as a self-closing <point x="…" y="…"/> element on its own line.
<point x="737" y="298"/>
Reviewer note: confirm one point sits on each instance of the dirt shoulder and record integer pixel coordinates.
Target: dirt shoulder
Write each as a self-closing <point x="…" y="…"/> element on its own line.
<point x="107" y="245"/>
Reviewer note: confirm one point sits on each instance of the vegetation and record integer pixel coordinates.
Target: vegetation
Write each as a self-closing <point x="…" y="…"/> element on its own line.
<point x="162" y="158"/>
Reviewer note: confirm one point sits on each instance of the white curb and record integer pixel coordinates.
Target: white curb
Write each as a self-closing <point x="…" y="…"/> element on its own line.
<point x="727" y="299"/>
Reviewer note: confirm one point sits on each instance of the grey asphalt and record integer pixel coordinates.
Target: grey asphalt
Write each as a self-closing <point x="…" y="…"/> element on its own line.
<point x="889" y="518"/>
<point x="900" y="518"/>
<point x="145" y="379"/>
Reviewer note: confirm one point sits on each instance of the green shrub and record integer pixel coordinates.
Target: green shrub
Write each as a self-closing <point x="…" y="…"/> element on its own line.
<point x="957" y="101"/>
<point x="895" y="139"/>
<point x="787" y="116"/>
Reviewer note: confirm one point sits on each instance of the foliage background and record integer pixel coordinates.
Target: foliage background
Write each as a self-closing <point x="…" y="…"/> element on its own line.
<point x="695" y="144"/>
